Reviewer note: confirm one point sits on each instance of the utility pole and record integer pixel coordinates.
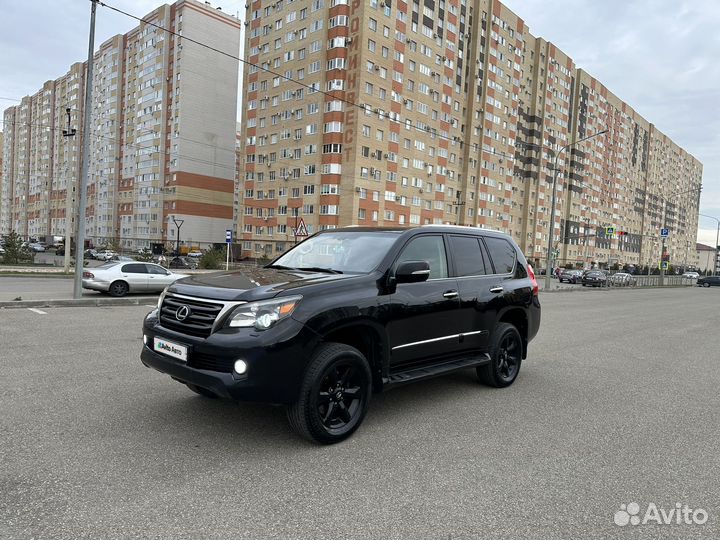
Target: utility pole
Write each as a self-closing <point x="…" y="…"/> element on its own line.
<point x="178" y="223"/>
<point x="69" y="132"/>
<point x="82" y="188"/>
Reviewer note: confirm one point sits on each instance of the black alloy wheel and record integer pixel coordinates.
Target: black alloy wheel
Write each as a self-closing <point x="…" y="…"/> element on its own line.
<point x="334" y="396"/>
<point x="506" y="349"/>
<point x="340" y="396"/>
<point x="118" y="288"/>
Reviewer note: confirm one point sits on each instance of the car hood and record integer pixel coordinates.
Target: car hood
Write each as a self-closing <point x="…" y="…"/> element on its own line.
<point x="250" y="284"/>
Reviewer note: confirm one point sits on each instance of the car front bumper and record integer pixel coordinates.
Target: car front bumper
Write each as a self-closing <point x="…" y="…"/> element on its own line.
<point x="275" y="359"/>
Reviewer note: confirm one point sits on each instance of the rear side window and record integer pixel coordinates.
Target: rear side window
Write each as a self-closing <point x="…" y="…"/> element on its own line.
<point x="430" y="249"/>
<point x="152" y="269"/>
<point x="467" y="256"/>
<point x="502" y="254"/>
<point x="134" y="268"/>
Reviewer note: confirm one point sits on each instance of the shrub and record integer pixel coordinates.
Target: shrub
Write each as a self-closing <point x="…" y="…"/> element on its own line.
<point x="15" y="253"/>
<point x="212" y="259"/>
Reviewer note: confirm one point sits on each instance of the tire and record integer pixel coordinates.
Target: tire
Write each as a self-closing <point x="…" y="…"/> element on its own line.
<point x="202" y="391"/>
<point x="334" y="394"/>
<point x="118" y="288"/>
<point x="706" y="284"/>
<point x="506" y="357"/>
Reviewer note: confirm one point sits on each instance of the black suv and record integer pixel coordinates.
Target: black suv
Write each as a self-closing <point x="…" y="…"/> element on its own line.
<point x="346" y="313"/>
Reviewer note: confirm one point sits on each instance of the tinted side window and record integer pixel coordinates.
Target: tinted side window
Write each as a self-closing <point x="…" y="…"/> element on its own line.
<point x="430" y="249"/>
<point x="502" y="254"/>
<point x="152" y="269"/>
<point x="134" y="268"/>
<point x="467" y="256"/>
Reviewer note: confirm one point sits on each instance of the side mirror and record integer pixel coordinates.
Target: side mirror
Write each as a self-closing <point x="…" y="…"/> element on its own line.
<point x="412" y="272"/>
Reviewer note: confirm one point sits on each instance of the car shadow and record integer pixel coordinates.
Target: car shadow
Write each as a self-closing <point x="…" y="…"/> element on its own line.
<point x="207" y="422"/>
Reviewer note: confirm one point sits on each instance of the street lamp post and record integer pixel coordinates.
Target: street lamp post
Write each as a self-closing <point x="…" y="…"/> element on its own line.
<point x="82" y="184"/>
<point x="717" y="240"/>
<point x="551" y="234"/>
<point x="178" y="223"/>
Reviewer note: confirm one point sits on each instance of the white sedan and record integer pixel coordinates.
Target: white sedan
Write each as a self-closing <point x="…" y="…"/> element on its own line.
<point x="120" y="278"/>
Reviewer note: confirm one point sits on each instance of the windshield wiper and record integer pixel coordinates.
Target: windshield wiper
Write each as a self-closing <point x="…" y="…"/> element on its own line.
<point x="320" y="269"/>
<point x="281" y="267"/>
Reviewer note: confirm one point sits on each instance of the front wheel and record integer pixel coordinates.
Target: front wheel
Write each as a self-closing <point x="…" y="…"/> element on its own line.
<point x="334" y="394"/>
<point x="706" y="284"/>
<point x="505" y="357"/>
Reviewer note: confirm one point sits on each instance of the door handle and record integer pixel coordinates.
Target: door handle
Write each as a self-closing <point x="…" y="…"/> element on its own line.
<point x="496" y="290"/>
<point x="450" y="294"/>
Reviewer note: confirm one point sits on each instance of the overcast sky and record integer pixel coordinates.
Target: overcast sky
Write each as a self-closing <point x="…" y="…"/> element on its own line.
<point x="660" y="56"/>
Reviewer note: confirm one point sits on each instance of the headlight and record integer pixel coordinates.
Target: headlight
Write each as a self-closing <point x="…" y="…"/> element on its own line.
<point x="263" y="315"/>
<point x="162" y="297"/>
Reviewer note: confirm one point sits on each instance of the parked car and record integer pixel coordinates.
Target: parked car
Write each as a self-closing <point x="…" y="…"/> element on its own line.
<point x="104" y="255"/>
<point x="121" y="258"/>
<point x="709" y="281"/>
<point x="119" y="279"/>
<point x="570" y="276"/>
<point x="195" y="253"/>
<point x="691" y="275"/>
<point x="594" y="278"/>
<point x="622" y="279"/>
<point x="346" y="313"/>
<point x="37" y="248"/>
<point x="184" y="263"/>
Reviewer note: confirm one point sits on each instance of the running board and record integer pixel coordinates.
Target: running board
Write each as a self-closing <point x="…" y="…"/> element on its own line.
<point x="426" y="372"/>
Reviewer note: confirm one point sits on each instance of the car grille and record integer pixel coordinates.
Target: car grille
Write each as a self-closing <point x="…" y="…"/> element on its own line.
<point x="212" y="363"/>
<point x="199" y="322"/>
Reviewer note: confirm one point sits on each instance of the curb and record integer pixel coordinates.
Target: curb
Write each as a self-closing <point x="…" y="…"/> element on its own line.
<point x="635" y="288"/>
<point x="80" y="302"/>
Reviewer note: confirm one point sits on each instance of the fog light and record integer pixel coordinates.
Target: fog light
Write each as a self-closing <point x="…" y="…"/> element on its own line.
<point x="240" y="367"/>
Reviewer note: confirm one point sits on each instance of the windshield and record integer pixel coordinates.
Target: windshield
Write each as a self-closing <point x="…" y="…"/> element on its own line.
<point x="343" y="252"/>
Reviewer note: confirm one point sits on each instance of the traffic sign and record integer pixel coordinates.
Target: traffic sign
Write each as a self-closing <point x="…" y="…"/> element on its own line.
<point x="664" y="233"/>
<point x="301" y="229"/>
<point x="228" y="236"/>
<point x="610" y="231"/>
<point x="664" y="265"/>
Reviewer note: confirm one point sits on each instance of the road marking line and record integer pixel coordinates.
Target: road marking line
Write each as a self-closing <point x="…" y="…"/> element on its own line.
<point x="150" y="305"/>
<point x="38" y="311"/>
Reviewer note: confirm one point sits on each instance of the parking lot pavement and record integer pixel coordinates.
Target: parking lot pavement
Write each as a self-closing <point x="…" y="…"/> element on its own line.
<point x="40" y="288"/>
<point x="617" y="403"/>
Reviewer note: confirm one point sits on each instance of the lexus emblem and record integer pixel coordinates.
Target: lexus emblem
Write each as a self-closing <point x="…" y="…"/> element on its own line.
<point x="182" y="313"/>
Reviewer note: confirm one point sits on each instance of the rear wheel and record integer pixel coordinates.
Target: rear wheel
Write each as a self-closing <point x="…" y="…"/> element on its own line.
<point x="506" y="357"/>
<point x="118" y="288"/>
<point x="334" y="395"/>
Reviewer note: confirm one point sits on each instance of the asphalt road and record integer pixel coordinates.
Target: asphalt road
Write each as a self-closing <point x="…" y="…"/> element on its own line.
<point x="617" y="403"/>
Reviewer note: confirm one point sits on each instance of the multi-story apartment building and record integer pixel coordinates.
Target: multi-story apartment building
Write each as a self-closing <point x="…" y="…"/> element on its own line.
<point x="163" y="136"/>
<point x="395" y="113"/>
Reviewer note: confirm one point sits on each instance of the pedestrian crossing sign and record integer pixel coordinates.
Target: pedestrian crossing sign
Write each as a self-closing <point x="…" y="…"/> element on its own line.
<point x="301" y="229"/>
